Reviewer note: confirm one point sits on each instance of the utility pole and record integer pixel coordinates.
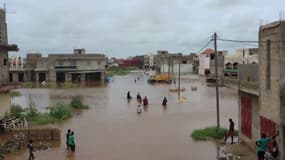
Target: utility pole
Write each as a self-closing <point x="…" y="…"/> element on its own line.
<point x="217" y="82"/>
<point x="179" y="79"/>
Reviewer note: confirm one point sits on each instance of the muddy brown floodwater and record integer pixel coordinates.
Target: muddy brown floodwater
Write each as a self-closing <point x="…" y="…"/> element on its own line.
<point x="111" y="128"/>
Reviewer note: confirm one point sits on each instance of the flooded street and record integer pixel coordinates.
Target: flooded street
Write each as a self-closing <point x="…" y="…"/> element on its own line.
<point x="111" y="128"/>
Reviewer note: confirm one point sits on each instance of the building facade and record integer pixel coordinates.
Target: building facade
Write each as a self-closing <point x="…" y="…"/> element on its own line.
<point x="262" y="110"/>
<point x="4" y="67"/>
<point x="242" y="56"/>
<point x="75" y="67"/>
<point x="204" y="61"/>
<point x="169" y="63"/>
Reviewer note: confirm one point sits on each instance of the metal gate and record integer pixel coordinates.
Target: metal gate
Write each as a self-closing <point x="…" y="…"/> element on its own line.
<point x="267" y="126"/>
<point x="246" y="110"/>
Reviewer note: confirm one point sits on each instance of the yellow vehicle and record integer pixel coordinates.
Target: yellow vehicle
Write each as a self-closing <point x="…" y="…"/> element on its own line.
<point x="164" y="77"/>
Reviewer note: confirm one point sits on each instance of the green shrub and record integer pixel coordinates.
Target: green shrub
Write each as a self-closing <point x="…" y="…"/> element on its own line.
<point x="45" y="119"/>
<point x="118" y="71"/>
<point x="209" y="132"/>
<point x="76" y="103"/>
<point x="32" y="113"/>
<point x="16" y="111"/>
<point x="60" y="111"/>
<point x="15" y="94"/>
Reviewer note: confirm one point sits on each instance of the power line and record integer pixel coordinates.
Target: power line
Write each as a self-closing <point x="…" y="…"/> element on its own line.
<point x="206" y="41"/>
<point x="205" y="45"/>
<point x="246" y="41"/>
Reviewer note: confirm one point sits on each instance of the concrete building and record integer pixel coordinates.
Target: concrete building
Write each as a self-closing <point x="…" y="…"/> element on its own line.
<point x="220" y="62"/>
<point x="75" y="67"/>
<point x="149" y="61"/>
<point x="262" y="108"/>
<point x="242" y="56"/>
<point x="169" y="62"/>
<point x="204" y="61"/>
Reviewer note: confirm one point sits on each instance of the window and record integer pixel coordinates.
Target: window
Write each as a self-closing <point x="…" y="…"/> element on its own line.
<point x="268" y="65"/>
<point x="99" y="62"/>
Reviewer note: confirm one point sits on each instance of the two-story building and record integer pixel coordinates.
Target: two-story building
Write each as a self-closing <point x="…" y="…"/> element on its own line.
<point x="76" y="67"/>
<point x="262" y="98"/>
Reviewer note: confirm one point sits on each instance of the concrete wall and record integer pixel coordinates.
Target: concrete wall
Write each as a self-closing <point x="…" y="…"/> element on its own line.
<point x="184" y="68"/>
<point x="248" y="72"/>
<point x="220" y="66"/>
<point x="38" y="134"/>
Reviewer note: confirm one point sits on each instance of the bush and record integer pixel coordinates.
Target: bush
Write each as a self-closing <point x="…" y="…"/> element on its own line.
<point x="15" y="94"/>
<point x="209" y="132"/>
<point x="60" y="111"/>
<point x="117" y="71"/>
<point x="45" y="119"/>
<point x="32" y="113"/>
<point x="76" y="103"/>
<point x="16" y="111"/>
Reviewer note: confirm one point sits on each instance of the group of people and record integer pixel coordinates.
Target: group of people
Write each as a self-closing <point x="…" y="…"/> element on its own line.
<point x="143" y="101"/>
<point x="70" y="143"/>
<point x="265" y="150"/>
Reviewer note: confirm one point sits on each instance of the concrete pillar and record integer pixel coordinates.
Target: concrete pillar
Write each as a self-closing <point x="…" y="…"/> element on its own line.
<point x="82" y="77"/>
<point x="15" y="76"/>
<point x="37" y="76"/>
<point x="52" y="75"/>
<point x="68" y="77"/>
<point x="102" y="76"/>
<point x="46" y="76"/>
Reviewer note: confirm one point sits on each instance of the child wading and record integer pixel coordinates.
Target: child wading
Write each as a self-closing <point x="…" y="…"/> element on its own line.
<point x="31" y="150"/>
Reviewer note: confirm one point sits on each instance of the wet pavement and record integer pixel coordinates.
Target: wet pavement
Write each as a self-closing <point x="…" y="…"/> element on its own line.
<point x="111" y="128"/>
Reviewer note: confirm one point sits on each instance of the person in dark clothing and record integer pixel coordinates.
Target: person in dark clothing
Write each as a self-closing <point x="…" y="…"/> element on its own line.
<point x="139" y="98"/>
<point x="67" y="136"/>
<point x="164" y="101"/>
<point x="31" y="150"/>
<point x="262" y="144"/>
<point x="129" y="95"/>
<point x="231" y="131"/>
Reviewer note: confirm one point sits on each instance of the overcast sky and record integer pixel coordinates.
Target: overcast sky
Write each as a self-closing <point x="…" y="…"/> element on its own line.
<point x="123" y="28"/>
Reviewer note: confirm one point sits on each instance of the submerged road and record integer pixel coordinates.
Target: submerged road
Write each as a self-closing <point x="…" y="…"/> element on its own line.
<point x="111" y="128"/>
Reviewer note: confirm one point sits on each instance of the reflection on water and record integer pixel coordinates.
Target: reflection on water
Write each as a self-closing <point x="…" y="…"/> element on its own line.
<point x="111" y="128"/>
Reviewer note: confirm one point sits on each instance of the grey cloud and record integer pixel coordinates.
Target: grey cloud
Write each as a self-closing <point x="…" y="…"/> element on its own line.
<point x="129" y="27"/>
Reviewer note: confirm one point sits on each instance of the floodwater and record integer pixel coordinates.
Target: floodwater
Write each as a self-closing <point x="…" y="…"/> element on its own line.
<point x="111" y="128"/>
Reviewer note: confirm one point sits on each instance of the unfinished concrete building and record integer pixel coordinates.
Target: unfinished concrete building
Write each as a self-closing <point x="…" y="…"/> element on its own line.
<point x="262" y="108"/>
<point x="76" y="67"/>
<point x="166" y="62"/>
